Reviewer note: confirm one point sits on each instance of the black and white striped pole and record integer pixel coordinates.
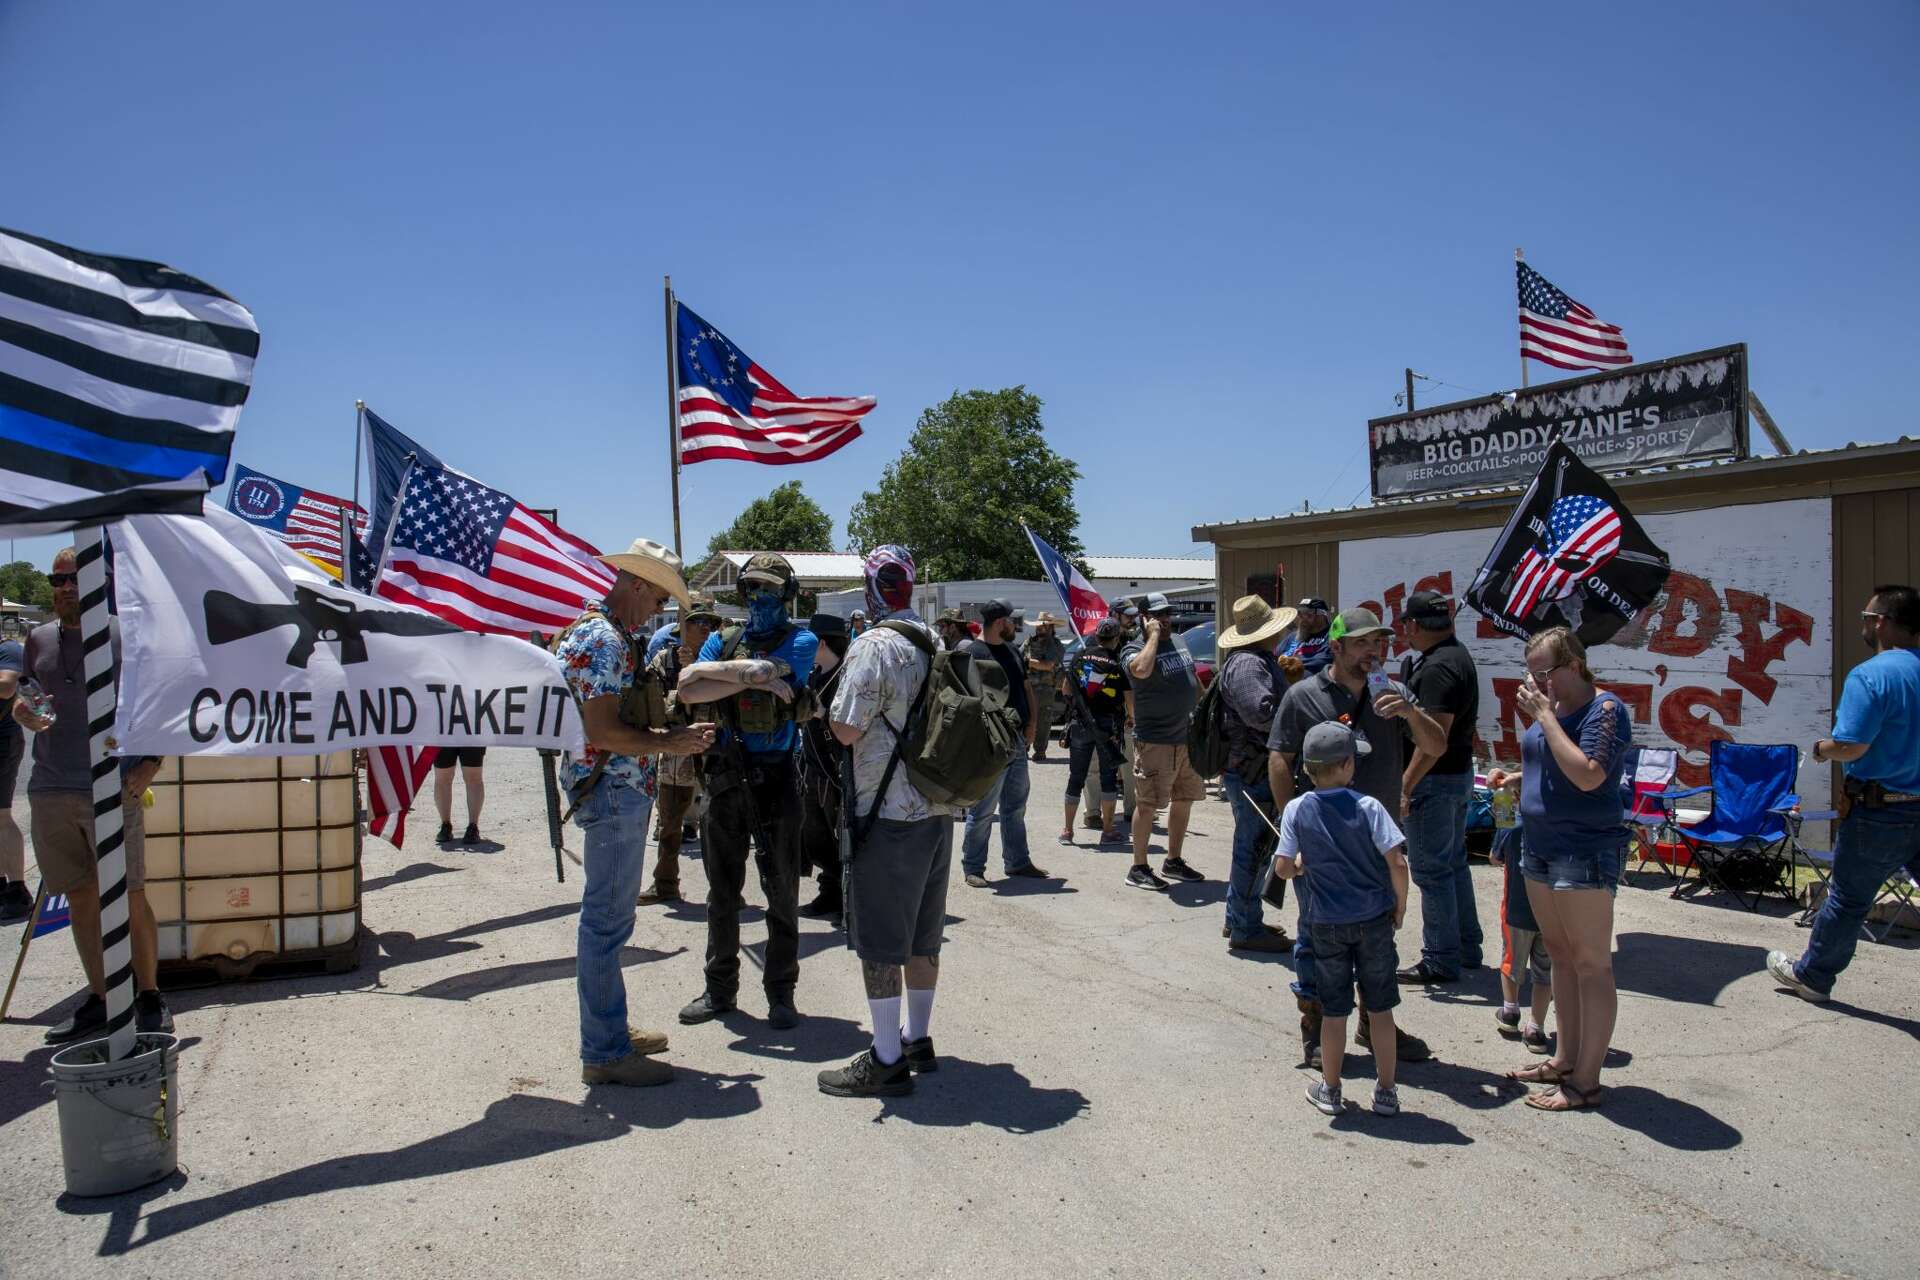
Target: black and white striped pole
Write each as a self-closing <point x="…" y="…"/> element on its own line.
<point x="109" y="835"/>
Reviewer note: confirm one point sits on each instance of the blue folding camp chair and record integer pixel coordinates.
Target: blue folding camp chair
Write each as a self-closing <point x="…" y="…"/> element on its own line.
<point x="1747" y="846"/>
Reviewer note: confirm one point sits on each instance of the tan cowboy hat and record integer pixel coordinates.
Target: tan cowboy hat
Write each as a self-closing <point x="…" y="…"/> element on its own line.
<point x="1045" y="619"/>
<point x="1255" y="620"/>
<point x="651" y="562"/>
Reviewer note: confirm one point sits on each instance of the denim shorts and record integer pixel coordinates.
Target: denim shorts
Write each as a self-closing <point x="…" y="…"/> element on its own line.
<point x="1345" y="954"/>
<point x="1588" y="869"/>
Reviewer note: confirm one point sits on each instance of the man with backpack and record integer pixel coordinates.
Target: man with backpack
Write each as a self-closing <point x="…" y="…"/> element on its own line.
<point x="1250" y="685"/>
<point x="754" y="797"/>
<point x="897" y="884"/>
<point x="820" y="772"/>
<point x="1164" y="689"/>
<point x="1008" y="798"/>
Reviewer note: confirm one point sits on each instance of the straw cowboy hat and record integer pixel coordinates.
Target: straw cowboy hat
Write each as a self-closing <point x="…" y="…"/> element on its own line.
<point x="1255" y="620"/>
<point x="1045" y="619"/>
<point x="651" y="562"/>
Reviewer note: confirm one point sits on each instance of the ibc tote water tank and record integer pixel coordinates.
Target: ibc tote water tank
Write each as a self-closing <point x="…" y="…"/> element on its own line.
<point x="255" y="860"/>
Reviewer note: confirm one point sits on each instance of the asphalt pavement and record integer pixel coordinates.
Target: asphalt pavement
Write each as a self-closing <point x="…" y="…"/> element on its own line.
<point x="1118" y="1095"/>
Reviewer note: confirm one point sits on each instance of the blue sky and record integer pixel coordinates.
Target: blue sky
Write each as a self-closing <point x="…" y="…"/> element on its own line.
<point x="1210" y="239"/>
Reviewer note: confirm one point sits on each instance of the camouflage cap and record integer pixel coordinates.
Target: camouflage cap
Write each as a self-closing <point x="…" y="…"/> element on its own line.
<point x="952" y="615"/>
<point x="767" y="566"/>
<point x="701" y="609"/>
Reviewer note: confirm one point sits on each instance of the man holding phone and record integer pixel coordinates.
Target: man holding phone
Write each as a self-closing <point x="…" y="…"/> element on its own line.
<point x="1354" y="690"/>
<point x="1163" y="688"/>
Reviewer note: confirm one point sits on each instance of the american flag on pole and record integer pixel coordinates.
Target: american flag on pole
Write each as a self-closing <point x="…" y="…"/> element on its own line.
<point x="305" y="519"/>
<point x="394" y="775"/>
<point x="121" y="383"/>
<point x="1556" y="330"/>
<point x="732" y="408"/>
<point x="474" y="556"/>
<point x="1583" y="533"/>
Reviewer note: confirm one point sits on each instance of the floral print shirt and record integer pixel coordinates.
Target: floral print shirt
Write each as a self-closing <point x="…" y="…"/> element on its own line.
<point x="599" y="661"/>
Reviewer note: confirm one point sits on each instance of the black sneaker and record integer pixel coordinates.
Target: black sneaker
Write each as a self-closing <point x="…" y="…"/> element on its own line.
<point x="1142" y="877"/>
<point x="90" y="1017"/>
<point x="1177" y="869"/>
<point x="705" y="1009"/>
<point x="919" y="1055"/>
<point x="825" y="905"/>
<point x="16" y="904"/>
<point x="865" y="1077"/>
<point x="473" y="834"/>
<point x="1029" y="872"/>
<point x="150" y="1012"/>
<point x="445" y="834"/>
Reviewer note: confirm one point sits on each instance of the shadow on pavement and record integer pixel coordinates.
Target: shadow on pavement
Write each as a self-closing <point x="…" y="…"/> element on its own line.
<point x="1907" y="1025"/>
<point x="1027" y="887"/>
<point x="1408" y="1126"/>
<point x="1667" y="1120"/>
<point x="525" y="973"/>
<point x="1471" y="1087"/>
<point x="406" y="875"/>
<point x="817" y="1039"/>
<point x="991" y="1094"/>
<point x="1197" y="893"/>
<point x="518" y="1127"/>
<point x="1689" y="970"/>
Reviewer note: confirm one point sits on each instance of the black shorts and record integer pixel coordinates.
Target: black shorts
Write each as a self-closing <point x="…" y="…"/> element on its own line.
<point x="12" y="747"/>
<point x="897" y="892"/>
<point x="468" y="756"/>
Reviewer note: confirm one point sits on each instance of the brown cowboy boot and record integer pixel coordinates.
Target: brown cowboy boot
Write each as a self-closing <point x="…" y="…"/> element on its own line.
<point x="1309" y="1031"/>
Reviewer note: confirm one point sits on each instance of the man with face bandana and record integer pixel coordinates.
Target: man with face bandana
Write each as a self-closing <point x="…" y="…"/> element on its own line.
<point x="897" y="884"/>
<point x="754" y="798"/>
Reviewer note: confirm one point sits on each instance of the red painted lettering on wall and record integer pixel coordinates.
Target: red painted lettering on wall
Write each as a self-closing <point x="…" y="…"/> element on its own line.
<point x="1748" y="668"/>
<point x="1683" y="718"/>
<point x="1689" y="617"/>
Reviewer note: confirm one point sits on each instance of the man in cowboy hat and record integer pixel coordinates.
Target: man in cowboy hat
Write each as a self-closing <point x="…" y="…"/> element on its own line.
<point x="611" y="785"/>
<point x="1251" y="687"/>
<point x="1044" y="654"/>
<point x="674" y="646"/>
<point x="754" y="798"/>
<point x="952" y="625"/>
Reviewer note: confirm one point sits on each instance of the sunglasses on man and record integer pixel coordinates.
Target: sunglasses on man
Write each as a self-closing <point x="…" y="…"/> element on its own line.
<point x="63" y="579"/>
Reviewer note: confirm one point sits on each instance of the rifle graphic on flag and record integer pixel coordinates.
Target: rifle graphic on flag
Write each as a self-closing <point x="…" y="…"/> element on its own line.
<point x="1571" y="555"/>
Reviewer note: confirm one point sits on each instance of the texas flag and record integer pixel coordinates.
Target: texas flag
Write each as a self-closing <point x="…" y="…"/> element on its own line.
<point x="1083" y="604"/>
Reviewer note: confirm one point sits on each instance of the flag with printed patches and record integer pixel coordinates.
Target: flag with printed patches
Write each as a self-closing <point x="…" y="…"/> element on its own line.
<point x="1572" y="555"/>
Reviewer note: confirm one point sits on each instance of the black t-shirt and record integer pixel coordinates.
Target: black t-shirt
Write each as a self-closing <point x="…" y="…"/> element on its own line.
<point x="1010" y="663"/>
<point x="1444" y="679"/>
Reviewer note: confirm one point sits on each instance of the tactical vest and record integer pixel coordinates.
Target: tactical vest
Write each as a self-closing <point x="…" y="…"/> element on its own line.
<point x="643" y="704"/>
<point x="758" y="711"/>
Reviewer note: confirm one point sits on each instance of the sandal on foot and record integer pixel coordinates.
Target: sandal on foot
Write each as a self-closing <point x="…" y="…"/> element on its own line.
<point x="1066" y="837"/>
<point x="1567" y="1096"/>
<point x="1538" y="1073"/>
<point x="1110" y="837"/>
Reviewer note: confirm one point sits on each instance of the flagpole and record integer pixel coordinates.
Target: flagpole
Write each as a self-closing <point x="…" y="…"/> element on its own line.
<point x="673" y="407"/>
<point x="1519" y="257"/>
<point x="109" y="836"/>
<point x="26" y="940"/>
<point x="393" y="519"/>
<point x="346" y="514"/>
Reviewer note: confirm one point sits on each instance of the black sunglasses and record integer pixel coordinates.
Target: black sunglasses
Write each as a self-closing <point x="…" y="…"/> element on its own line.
<point x="63" y="579"/>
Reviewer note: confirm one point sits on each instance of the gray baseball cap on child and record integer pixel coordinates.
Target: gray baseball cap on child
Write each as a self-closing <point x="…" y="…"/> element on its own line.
<point x="1331" y="742"/>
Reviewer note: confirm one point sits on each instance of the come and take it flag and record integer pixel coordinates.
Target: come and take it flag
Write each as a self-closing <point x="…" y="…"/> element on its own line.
<point x="1556" y="330"/>
<point x="732" y="408"/>
<point x="121" y="383"/>
<point x="1572" y="555"/>
<point x="1083" y="604"/>
<point x="305" y="519"/>
<point x="236" y="645"/>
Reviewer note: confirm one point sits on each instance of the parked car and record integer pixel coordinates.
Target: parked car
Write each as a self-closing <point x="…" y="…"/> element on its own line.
<point x="1202" y="643"/>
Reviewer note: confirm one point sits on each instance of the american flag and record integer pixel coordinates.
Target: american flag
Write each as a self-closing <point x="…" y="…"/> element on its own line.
<point x="479" y="559"/>
<point x="1583" y="533"/>
<point x="305" y="519"/>
<point x="1556" y="330"/>
<point x="732" y="408"/>
<point x="394" y="775"/>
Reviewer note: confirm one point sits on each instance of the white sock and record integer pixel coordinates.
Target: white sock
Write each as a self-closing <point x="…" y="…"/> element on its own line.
<point x="919" y="1012"/>
<point x="886" y="1029"/>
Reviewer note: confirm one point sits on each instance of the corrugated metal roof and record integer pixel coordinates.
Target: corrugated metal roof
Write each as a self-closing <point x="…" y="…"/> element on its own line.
<point x="1136" y="567"/>
<point x="828" y="566"/>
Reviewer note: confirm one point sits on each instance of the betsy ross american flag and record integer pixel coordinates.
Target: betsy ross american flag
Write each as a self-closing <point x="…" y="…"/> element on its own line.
<point x="1583" y="533"/>
<point x="732" y="408"/>
<point x="1556" y="330"/>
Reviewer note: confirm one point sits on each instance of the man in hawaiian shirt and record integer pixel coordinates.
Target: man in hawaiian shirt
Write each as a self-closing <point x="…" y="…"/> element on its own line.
<point x="612" y="783"/>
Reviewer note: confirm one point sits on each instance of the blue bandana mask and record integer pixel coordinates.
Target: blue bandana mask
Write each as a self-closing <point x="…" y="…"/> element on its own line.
<point x="766" y="612"/>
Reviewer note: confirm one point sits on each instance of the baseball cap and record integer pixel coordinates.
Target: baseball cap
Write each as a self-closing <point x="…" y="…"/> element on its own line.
<point x="1315" y="603"/>
<point x="1330" y="742"/>
<point x="767" y="566"/>
<point x="1429" y="606"/>
<point x="827" y="624"/>
<point x="951" y="615"/>
<point x="1353" y="623"/>
<point x="1157" y="603"/>
<point x="993" y="609"/>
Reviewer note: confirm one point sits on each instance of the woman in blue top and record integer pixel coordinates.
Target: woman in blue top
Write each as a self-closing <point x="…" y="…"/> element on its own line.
<point x="1572" y="756"/>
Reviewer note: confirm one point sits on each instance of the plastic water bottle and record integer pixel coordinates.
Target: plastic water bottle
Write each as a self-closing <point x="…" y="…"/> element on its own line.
<point x="38" y="702"/>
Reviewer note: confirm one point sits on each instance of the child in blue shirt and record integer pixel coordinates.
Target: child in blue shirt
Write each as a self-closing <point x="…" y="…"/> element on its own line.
<point x="1353" y="858"/>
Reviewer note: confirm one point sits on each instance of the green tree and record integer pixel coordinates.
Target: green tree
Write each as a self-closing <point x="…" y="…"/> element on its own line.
<point x="785" y="520"/>
<point x="977" y="467"/>
<point x="25" y="583"/>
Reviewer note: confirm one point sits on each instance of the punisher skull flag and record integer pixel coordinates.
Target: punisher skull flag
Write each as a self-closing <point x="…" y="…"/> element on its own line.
<point x="1572" y="555"/>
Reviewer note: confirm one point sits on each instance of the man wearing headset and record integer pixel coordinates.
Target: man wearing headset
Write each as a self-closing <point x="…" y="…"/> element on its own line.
<point x="754" y="796"/>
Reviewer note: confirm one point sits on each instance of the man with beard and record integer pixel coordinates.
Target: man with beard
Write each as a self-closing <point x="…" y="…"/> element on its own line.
<point x="1043" y="654"/>
<point x="952" y="626"/>
<point x="754" y="798"/>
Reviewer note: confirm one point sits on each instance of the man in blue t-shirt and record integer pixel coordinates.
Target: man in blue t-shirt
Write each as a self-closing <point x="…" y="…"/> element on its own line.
<point x="1876" y="735"/>
<point x="754" y="797"/>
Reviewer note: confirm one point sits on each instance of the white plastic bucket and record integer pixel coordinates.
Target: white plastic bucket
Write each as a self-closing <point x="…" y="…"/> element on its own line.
<point x="118" y="1120"/>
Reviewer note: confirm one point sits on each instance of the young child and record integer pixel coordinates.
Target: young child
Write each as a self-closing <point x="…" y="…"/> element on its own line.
<point x="1524" y="955"/>
<point x="1355" y="896"/>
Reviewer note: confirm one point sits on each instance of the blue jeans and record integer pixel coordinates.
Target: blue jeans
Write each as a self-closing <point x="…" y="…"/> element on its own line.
<point x="1869" y="846"/>
<point x="1304" y="984"/>
<point x="1009" y="799"/>
<point x="1244" y="916"/>
<point x="613" y="819"/>
<point x="1436" y="828"/>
